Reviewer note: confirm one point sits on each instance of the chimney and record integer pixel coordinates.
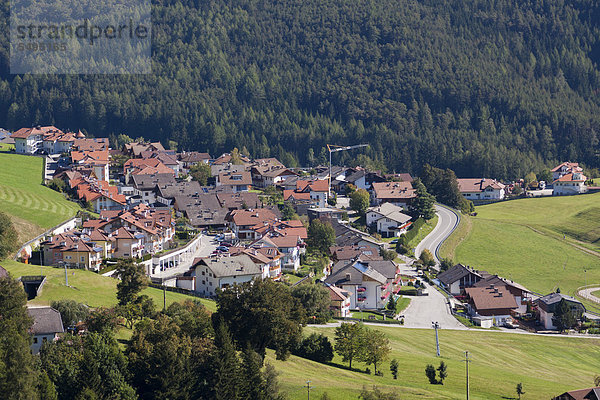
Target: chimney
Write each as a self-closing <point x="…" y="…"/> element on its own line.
<point x="348" y="276"/>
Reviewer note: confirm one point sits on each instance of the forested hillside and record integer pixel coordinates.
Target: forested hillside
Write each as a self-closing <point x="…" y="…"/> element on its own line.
<point x="496" y="88"/>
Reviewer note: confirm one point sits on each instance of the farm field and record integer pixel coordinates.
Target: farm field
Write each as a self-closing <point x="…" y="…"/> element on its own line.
<point x="499" y="361"/>
<point x="542" y="243"/>
<point x="22" y="196"/>
<point x="86" y="287"/>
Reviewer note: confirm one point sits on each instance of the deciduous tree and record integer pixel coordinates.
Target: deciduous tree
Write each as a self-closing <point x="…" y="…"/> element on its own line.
<point x="349" y="341"/>
<point x="132" y="280"/>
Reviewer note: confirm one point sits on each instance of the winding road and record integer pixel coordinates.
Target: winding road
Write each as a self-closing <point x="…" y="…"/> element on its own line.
<point x="448" y="220"/>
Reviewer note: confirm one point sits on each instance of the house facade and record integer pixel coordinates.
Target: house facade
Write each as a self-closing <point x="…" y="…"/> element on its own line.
<point x="47" y="324"/>
<point x="223" y="272"/>
<point x="570" y="184"/>
<point x="388" y="220"/>
<point x="481" y="189"/>
<point x="547" y="306"/>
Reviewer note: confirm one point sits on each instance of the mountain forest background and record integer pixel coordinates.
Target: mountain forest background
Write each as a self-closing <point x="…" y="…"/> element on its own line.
<point x="494" y="88"/>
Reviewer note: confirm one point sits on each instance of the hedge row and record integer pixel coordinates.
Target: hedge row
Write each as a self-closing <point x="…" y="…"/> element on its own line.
<point x="414" y="230"/>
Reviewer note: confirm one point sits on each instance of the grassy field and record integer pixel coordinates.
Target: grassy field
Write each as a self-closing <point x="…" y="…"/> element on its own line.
<point x="5" y="148"/>
<point x="547" y="366"/>
<point x="541" y="243"/>
<point x="86" y="287"/>
<point x="24" y="197"/>
<point x="424" y="231"/>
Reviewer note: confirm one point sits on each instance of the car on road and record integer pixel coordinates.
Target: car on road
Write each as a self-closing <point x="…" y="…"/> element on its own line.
<point x="226" y="244"/>
<point x="394" y="241"/>
<point x="223" y="248"/>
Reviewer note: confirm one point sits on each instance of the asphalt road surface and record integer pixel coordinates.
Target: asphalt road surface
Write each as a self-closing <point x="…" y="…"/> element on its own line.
<point x="423" y="310"/>
<point x="447" y="222"/>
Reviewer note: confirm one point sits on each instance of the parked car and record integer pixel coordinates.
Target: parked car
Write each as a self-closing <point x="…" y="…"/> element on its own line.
<point x="226" y="244"/>
<point x="394" y="241"/>
<point x="510" y="325"/>
<point x="223" y="248"/>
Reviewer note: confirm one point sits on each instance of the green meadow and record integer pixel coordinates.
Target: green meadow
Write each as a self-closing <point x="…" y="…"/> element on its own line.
<point x="22" y="195"/>
<point x="546" y="366"/>
<point x="86" y="287"/>
<point x="542" y="243"/>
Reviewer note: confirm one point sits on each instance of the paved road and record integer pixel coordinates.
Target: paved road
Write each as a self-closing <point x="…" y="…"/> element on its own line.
<point x="587" y="294"/>
<point x="422" y="310"/>
<point x="447" y="222"/>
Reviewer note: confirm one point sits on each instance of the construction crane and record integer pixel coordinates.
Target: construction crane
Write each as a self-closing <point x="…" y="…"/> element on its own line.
<point x="332" y="148"/>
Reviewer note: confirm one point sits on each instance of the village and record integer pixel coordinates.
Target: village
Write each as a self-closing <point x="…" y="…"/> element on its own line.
<point x="249" y="219"/>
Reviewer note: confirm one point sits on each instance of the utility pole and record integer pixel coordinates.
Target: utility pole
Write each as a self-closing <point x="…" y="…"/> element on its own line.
<point x="308" y="387"/>
<point x="332" y="148"/>
<point x="164" y="297"/>
<point x="585" y="275"/>
<point x="467" y="361"/>
<point x="66" y="276"/>
<point x="436" y="326"/>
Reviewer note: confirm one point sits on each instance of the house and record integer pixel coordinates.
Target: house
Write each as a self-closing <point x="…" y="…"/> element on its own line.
<point x="135" y="149"/>
<point x="226" y="158"/>
<point x="370" y="288"/>
<point x="491" y="301"/>
<point x="569" y="184"/>
<point x="90" y="144"/>
<point x="396" y="193"/>
<point x="340" y="301"/>
<point x="73" y="249"/>
<point x="242" y="222"/>
<point x="287" y="237"/>
<point x="237" y="181"/>
<point x="459" y="277"/>
<point x="580" y="394"/>
<point x="268" y="258"/>
<point x="99" y="193"/>
<point x="31" y="140"/>
<point x="388" y="220"/>
<point x="146" y="186"/>
<point x="315" y="191"/>
<point x="97" y="161"/>
<point x="128" y="243"/>
<point x="188" y="159"/>
<point x="145" y="166"/>
<point x="481" y="189"/>
<point x="47" y="324"/>
<point x="268" y="175"/>
<point x="564" y="169"/>
<point x="346" y="235"/>
<point x="223" y="272"/>
<point x="363" y="179"/>
<point x="401" y="177"/>
<point x="521" y="294"/>
<point x="547" y="306"/>
<point x="365" y="253"/>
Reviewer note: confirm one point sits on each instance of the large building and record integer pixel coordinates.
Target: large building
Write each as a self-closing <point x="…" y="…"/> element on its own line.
<point x="481" y="189"/>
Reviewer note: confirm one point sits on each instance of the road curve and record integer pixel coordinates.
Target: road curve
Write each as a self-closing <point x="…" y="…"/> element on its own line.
<point x="448" y="220"/>
<point x="587" y="294"/>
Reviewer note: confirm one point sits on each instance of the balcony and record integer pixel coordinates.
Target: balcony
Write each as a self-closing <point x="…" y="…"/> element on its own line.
<point x="361" y="299"/>
<point x="361" y="289"/>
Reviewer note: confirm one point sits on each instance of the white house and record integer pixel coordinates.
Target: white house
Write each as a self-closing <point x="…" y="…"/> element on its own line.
<point x="564" y="169"/>
<point x="388" y="219"/>
<point x="369" y="282"/>
<point x="340" y="301"/>
<point x="569" y="184"/>
<point x="47" y="324"/>
<point x="481" y="189"/>
<point x="223" y="272"/>
<point x="547" y="306"/>
<point x="31" y="140"/>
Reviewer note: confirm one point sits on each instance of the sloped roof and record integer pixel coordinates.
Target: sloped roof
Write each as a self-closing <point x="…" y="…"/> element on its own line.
<point x="572" y="177"/>
<point x="394" y="190"/>
<point x="337" y="294"/>
<point x="569" y="165"/>
<point x="352" y="274"/>
<point x="235" y="178"/>
<point x="252" y="217"/>
<point x="491" y="297"/>
<point x="455" y="273"/>
<point x="231" y="266"/>
<point x="475" y="185"/>
<point x="392" y="212"/>
<point x="46" y="320"/>
<point x="320" y="185"/>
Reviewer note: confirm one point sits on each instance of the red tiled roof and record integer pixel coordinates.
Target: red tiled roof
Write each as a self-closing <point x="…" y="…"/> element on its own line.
<point x="576" y="177"/>
<point x="394" y="190"/>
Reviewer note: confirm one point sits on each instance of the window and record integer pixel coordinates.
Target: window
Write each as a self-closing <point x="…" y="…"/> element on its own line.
<point x="203" y="273"/>
<point x="210" y="283"/>
<point x="82" y="258"/>
<point x="203" y="282"/>
<point x="35" y="340"/>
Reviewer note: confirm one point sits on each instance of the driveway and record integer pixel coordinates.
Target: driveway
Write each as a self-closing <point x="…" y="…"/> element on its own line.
<point x="423" y="310"/>
<point x="447" y="223"/>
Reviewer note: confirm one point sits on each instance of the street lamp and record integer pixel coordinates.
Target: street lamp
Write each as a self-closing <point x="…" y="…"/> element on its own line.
<point x="436" y="326"/>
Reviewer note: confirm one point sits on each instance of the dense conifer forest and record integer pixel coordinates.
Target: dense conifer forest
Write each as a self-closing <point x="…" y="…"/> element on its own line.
<point x="488" y="88"/>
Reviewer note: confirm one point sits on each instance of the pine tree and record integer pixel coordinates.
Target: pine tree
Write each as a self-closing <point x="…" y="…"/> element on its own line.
<point x="18" y="378"/>
<point x="227" y="366"/>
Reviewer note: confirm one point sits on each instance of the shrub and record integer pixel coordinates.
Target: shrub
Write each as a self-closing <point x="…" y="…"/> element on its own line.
<point x="430" y="373"/>
<point x="316" y="347"/>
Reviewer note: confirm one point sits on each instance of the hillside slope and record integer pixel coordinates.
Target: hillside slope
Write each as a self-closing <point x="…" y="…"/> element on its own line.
<point x="543" y="243"/>
<point x="487" y="88"/>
